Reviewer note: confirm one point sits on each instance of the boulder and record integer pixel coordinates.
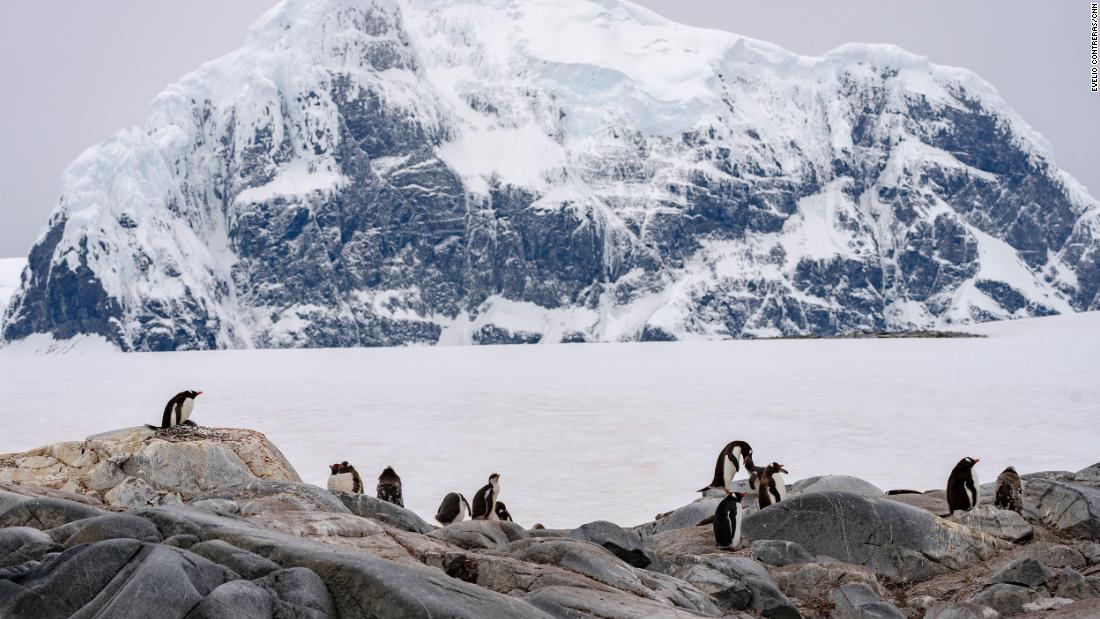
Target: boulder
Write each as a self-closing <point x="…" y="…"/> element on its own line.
<point x="45" y="513"/>
<point x="471" y="534"/>
<point x="960" y="610"/>
<point x="384" y="511"/>
<point x="19" y="545"/>
<point x="107" y="526"/>
<point x="260" y="496"/>
<point x="624" y="544"/>
<point x="835" y="483"/>
<point x="816" y="581"/>
<point x="1025" y="571"/>
<point x="898" y="541"/>
<point x="999" y="523"/>
<point x="858" y="601"/>
<point x="739" y="583"/>
<point x="1070" y="508"/>
<point x="779" y="552"/>
<point x="135" y="467"/>
<point x="247" y="564"/>
<point x="1088" y="474"/>
<point x="1005" y="598"/>
<point x="1069" y="583"/>
<point x="295" y="592"/>
<point x="568" y="601"/>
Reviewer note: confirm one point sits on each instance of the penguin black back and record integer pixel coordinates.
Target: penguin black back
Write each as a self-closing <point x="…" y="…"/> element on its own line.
<point x="486" y="498"/>
<point x="454" y="508"/>
<point x="727" y="521"/>
<point x="389" y="487"/>
<point x="502" y="512"/>
<point x="1010" y="491"/>
<point x="728" y="464"/>
<point x="963" y="489"/>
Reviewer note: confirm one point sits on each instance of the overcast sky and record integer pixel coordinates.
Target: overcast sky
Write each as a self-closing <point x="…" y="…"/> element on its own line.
<point x="74" y="72"/>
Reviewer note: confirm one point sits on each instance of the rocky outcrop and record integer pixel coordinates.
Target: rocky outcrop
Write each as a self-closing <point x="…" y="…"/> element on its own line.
<point x="1069" y="507"/>
<point x="139" y="467"/>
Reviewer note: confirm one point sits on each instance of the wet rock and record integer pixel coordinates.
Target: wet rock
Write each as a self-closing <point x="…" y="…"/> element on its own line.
<point x="472" y="534"/>
<point x="858" y="601"/>
<point x="624" y="544"/>
<point x="739" y="583"/>
<point x="384" y="511"/>
<point x="895" y="540"/>
<point x="999" y="523"/>
<point x="779" y="552"/>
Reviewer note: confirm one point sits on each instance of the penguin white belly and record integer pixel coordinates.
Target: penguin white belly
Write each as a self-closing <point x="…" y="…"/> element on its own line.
<point x="729" y="469"/>
<point x="977" y="487"/>
<point x="737" y="528"/>
<point x="343" y="482"/>
<point x="186" y="408"/>
<point x="780" y="485"/>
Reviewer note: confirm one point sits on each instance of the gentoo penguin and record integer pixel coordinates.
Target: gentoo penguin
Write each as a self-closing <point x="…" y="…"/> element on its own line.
<point x="754" y="471"/>
<point x="344" y="478"/>
<point x="389" y="487"/>
<point x="773" y="484"/>
<point x="727" y="521"/>
<point x="502" y="512"/>
<point x="485" y="500"/>
<point x="1010" y="491"/>
<point x="963" y="489"/>
<point x="728" y="464"/>
<point x="177" y="412"/>
<point x="454" y="508"/>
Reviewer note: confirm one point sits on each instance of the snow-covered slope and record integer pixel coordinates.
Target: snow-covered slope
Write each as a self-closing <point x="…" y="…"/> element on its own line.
<point x="10" y="270"/>
<point x="380" y="172"/>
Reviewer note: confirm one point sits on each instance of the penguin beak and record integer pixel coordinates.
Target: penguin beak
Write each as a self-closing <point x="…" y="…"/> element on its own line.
<point x="977" y="460"/>
<point x="198" y="393"/>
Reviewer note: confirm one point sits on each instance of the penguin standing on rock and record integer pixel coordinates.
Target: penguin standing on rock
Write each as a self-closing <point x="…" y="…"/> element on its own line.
<point x="963" y="489"/>
<point x="729" y="462"/>
<point x="773" y="484"/>
<point x="485" y="501"/>
<point x="727" y="521"/>
<point x="502" y="512"/>
<point x="344" y="478"/>
<point x="454" y="508"/>
<point x="389" y="487"/>
<point x="1010" y="491"/>
<point x="177" y="412"/>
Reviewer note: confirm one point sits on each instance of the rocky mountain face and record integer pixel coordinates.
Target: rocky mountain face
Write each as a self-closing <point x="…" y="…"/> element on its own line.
<point x="389" y="172"/>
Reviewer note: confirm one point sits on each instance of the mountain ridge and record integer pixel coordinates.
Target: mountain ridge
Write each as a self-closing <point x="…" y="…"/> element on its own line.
<point x="385" y="173"/>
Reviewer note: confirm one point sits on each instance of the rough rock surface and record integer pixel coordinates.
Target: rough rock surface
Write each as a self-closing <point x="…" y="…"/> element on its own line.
<point x="139" y="467"/>
<point x="858" y="601"/>
<point x="384" y="511"/>
<point x="999" y="523"/>
<point x="1071" y="508"/>
<point x="835" y="483"/>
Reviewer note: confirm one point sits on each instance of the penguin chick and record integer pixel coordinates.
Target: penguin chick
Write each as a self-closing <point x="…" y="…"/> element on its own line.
<point x="726" y="467"/>
<point x="963" y="489"/>
<point x="454" y="508"/>
<point x="486" y="499"/>
<point x="754" y="472"/>
<point x="502" y="512"/>
<point x="1010" y="491"/>
<point x="773" y="484"/>
<point x="177" y="412"/>
<point x="389" y="487"/>
<point x="727" y="521"/>
<point x="344" y="478"/>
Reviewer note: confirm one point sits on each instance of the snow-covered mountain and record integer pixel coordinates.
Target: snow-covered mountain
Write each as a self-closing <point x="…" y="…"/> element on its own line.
<point x="383" y="172"/>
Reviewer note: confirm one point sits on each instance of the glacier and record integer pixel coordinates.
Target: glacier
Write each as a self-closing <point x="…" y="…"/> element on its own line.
<point x="394" y="172"/>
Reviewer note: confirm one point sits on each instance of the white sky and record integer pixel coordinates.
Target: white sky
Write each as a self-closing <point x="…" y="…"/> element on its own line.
<point x="75" y="72"/>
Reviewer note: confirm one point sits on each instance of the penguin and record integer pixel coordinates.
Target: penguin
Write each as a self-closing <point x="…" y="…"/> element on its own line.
<point x="727" y="521"/>
<point x="177" y="412"/>
<point x="963" y="489"/>
<point x="502" y="512"/>
<point x="773" y="484"/>
<point x="1010" y="491"/>
<point x="728" y="464"/>
<point x="389" y="487"/>
<point x="754" y="472"/>
<point x="454" y="508"/>
<point x="344" y="478"/>
<point x="486" y="499"/>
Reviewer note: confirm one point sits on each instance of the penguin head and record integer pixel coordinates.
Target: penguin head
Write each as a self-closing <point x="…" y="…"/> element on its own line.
<point x="193" y="394"/>
<point x="776" y="467"/>
<point x="968" y="462"/>
<point x="335" y="468"/>
<point x="494" y="478"/>
<point x="737" y="496"/>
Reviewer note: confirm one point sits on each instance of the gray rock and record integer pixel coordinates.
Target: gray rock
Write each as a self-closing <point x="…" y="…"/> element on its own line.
<point x="999" y="523"/>
<point x="217" y="505"/>
<point x="107" y="526"/>
<point x="1025" y="571"/>
<point x="779" y="552"/>
<point x="1071" y="584"/>
<point x="45" y="513"/>
<point x="1043" y="604"/>
<point x="236" y="599"/>
<point x="895" y="540"/>
<point x="190" y="468"/>
<point x="471" y="534"/>
<point x="816" y="581"/>
<point x="858" y="601"/>
<point x="624" y="544"/>
<point x="105" y="475"/>
<point x="118" y="578"/>
<point x="183" y="540"/>
<point x="960" y="610"/>
<point x="835" y="483"/>
<point x="1069" y="508"/>
<point x="384" y="512"/>
<point x="259" y="496"/>
<point x="1054" y="555"/>
<point x="299" y="592"/>
<point x="739" y="583"/>
<point x="247" y="564"/>
<point x="19" y="545"/>
<point x="693" y="514"/>
<point x="1005" y="598"/>
<point x="578" y="602"/>
<point x="1089" y="474"/>
<point x="1084" y="609"/>
<point x="133" y="492"/>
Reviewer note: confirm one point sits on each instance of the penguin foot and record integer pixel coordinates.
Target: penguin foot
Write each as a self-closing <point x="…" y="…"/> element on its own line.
<point x="190" y="423"/>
